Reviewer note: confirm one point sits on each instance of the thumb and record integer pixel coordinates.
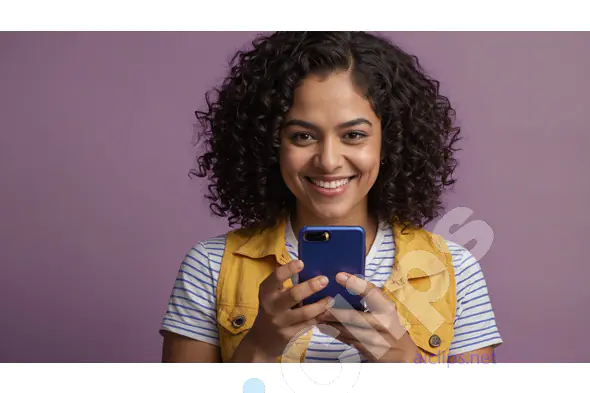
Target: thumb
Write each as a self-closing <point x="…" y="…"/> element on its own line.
<point x="375" y="299"/>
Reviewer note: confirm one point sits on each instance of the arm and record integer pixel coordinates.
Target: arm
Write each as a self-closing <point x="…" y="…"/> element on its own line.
<point x="189" y="326"/>
<point x="180" y="349"/>
<point x="476" y="333"/>
<point x="482" y="355"/>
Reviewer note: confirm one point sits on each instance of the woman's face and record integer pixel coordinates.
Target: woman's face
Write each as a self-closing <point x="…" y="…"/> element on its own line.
<point x="330" y="149"/>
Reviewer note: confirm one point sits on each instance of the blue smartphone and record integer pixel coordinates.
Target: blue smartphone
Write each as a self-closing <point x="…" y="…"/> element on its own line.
<point x="328" y="250"/>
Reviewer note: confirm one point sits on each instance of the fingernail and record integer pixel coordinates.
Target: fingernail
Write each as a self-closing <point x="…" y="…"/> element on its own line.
<point x="331" y="303"/>
<point x="323" y="281"/>
<point x="299" y="264"/>
<point x="343" y="276"/>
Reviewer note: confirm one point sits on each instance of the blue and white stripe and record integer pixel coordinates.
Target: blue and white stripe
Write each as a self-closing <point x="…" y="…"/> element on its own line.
<point x="191" y="309"/>
<point x="475" y="323"/>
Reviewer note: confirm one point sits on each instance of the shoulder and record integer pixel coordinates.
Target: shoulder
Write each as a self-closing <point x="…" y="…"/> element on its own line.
<point x="212" y="246"/>
<point x="467" y="268"/>
<point x="212" y="249"/>
<point x="214" y="243"/>
<point x="461" y="257"/>
<point x="207" y="254"/>
<point x="462" y="260"/>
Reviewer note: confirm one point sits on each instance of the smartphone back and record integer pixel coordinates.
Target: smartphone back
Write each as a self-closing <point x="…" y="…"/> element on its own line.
<point x="328" y="250"/>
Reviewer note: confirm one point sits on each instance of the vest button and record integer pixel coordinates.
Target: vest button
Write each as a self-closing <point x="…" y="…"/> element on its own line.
<point x="238" y="321"/>
<point x="434" y="341"/>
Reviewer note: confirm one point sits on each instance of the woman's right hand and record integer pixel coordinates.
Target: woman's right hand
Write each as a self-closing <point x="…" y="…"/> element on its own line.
<point x="278" y="320"/>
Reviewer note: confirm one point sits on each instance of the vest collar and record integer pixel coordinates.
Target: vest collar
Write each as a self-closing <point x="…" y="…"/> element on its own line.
<point x="270" y="241"/>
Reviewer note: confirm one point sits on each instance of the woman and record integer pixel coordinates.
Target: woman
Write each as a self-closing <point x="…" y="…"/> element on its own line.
<point x="328" y="128"/>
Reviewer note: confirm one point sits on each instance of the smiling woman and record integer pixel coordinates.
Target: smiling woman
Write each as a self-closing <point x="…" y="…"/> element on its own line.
<point x="327" y="128"/>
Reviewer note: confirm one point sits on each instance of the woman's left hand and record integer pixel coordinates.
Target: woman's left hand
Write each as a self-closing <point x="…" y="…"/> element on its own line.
<point x="377" y="334"/>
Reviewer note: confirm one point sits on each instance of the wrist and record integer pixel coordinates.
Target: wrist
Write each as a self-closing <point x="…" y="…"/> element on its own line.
<point x="249" y="352"/>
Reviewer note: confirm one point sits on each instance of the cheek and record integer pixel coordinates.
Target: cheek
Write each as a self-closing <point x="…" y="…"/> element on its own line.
<point x="292" y="162"/>
<point x="367" y="163"/>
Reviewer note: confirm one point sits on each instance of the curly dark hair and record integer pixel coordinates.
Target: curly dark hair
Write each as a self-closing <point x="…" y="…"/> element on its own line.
<point x="241" y="126"/>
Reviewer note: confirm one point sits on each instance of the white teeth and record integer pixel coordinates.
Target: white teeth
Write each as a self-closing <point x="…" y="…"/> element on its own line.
<point x="329" y="184"/>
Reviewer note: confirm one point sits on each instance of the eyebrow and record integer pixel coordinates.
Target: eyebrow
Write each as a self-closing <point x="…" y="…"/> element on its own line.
<point x="311" y="126"/>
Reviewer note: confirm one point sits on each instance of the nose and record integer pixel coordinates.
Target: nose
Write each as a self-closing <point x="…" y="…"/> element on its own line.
<point x="329" y="156"/>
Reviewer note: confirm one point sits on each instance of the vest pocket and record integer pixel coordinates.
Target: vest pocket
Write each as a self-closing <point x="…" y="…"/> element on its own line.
<point x="234" y="322"/>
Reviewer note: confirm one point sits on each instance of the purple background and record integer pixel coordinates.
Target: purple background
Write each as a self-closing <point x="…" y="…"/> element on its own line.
<point x="97" y="210"/>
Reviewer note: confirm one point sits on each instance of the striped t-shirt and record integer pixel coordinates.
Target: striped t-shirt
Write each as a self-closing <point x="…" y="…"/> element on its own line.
<point x="192" y="306"/>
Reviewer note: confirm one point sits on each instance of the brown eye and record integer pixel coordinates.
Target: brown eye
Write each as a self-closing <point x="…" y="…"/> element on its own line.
<point x="354" y="135"/>
<point x="301" y="137"/>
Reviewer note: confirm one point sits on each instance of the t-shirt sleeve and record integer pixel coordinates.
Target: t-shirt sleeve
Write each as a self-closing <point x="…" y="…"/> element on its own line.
<point x="191" y="309"/>
<point x="475" y="322"/>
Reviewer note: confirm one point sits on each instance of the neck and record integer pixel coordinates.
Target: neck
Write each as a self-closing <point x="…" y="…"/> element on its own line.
<point x="302" y="218"/>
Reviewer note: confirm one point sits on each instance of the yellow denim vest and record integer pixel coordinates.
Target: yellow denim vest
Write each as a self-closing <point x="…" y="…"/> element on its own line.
<point x="422" y="285"/>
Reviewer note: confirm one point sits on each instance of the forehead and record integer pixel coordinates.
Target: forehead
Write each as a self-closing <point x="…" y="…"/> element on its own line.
<point x="330" y="99"/>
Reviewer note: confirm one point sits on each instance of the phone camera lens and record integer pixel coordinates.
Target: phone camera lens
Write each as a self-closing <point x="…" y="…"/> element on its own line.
<point x="317" y="236"/>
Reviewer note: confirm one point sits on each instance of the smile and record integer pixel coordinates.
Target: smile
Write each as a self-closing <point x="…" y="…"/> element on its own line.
<point x="331" y="185"/>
